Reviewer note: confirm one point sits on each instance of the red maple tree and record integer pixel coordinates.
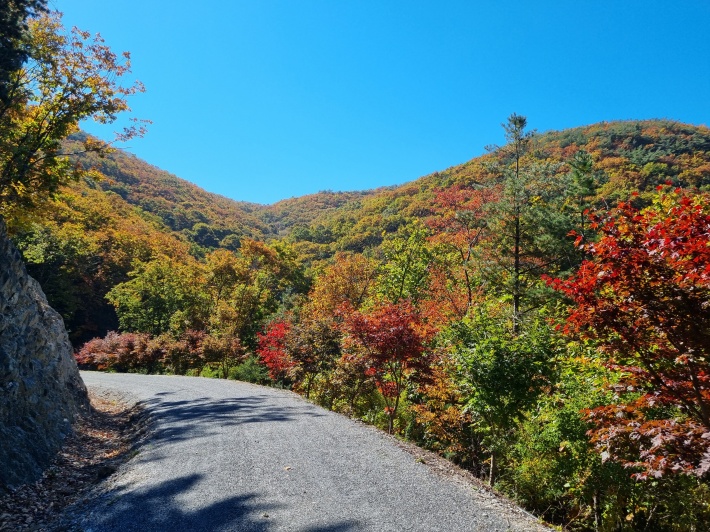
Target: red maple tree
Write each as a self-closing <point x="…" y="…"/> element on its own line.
<point x="644" y="297"/>
<point x="272" y="350"/>
<point x="391" y="341"/>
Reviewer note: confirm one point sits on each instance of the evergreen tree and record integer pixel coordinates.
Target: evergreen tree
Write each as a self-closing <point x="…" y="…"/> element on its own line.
<point x="527" y="228"/>
<point x="13" y="49"/>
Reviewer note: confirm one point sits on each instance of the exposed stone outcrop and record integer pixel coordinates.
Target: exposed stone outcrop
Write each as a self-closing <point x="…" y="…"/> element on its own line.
<point x="40" y="387"/>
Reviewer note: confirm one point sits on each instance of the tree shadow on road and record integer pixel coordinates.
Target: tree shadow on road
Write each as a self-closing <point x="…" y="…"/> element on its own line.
<point x="198" y="417"/>
<point x="169" y="506"/>
<point x="158" y="508"/>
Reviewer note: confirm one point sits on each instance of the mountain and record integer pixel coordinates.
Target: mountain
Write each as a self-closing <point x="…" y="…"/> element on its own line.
<point x="635" y="156"/>
<point x="630" y="155"/>
<point x="91" y="237"/>
<point x="204" y="218"/>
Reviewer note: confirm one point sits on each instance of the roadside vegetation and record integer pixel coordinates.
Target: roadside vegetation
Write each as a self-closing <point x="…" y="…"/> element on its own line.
<point x="538" y="315"/>
<point x="528" y="326"/>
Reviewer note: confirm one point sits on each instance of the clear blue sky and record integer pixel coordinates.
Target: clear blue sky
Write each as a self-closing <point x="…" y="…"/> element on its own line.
<point x="263" y="100"/>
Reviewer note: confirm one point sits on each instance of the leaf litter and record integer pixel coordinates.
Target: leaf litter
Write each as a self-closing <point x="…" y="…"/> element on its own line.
<point x="101" y="441"/>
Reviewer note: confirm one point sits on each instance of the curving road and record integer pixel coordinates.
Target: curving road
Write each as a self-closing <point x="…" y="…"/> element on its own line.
<point x="231" y="456"/>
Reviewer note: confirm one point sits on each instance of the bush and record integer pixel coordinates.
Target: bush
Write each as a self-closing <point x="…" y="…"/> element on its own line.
<point x="127" y="352"/>
<point x="211" y="373"/>
<point x="250" y="371"/>
<point x="141" y="353"/>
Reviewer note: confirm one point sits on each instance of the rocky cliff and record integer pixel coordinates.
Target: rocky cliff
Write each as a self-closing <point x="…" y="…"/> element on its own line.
<point x="40" y="387"/>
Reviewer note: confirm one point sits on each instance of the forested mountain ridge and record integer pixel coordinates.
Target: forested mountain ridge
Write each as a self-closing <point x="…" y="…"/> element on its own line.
<point x="633" y="156"/>
<point x="207" y="219"/>
<point x="528" y="314"/>
<point x="95" y="230"/>
<point x="180" y="205"/>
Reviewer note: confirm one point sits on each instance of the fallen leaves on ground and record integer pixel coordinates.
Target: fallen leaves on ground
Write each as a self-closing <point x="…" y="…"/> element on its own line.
<point x="102" y="439"/>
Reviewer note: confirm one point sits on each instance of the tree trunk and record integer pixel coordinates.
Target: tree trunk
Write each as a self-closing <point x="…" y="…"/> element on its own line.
<point x="516" y="275"/>
<point x="597" y="511"/>
<point x="494" y="465"/>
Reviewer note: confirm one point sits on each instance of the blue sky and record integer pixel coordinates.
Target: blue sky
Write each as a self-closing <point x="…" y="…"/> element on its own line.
<point x="263" y="100"/>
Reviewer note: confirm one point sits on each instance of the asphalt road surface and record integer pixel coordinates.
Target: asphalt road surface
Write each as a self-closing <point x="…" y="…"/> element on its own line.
<point x="231" y="456"/>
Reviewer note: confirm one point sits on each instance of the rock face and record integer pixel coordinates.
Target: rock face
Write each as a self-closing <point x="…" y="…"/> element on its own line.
<point x="40" y="387"/>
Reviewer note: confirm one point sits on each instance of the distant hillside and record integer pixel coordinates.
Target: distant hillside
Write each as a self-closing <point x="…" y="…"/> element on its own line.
<point x="204" y="218"/>
<point x="90" y="237"/>
<point x="285" y="215"/>
<point x="207" y="219"/>
<point x="631" y="156"/>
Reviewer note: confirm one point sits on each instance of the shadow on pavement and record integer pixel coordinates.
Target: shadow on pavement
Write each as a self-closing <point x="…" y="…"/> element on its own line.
<point x="163" y="508"/>
<point x="188" y="419"/>
<point x="156" y="509"/>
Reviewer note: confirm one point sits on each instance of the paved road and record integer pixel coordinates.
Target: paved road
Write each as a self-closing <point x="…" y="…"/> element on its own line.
<point x="230" y="456"/>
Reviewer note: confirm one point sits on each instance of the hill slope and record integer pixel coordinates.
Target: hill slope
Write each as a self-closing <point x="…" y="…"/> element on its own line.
<point x="204" y="218"/>
<point x="635" y="155"/>
<point x="631" y="155"/>
<point x="89" y="239"/>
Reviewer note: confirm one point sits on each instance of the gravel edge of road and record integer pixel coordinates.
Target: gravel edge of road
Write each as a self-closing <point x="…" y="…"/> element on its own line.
<point x="442" y="467"/>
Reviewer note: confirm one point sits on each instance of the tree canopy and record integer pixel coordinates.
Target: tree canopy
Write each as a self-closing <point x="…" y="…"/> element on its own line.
<point x="67" y="78"/>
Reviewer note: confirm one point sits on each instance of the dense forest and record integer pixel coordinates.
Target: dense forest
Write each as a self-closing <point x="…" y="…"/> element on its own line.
<point x="538" y="315"/>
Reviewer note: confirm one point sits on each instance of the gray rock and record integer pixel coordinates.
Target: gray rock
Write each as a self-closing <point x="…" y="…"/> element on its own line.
<point x="40" y="388"/>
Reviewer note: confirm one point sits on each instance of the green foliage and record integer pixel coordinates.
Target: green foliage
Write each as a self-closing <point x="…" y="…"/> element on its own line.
<point x="69" y="77"/>
<point x="250" y="371"/>
<point x="160" y="297"/>
<point x="82" y="247"/>
<point x="405" y="271"/>
<point x="526" y="227"/>
<point x="13" y="20"/>
<point x="502" y="394"/>
<point x="555" y="471"/>
<point x="56" y="257"/>
<point x="502" y="373"/>
<point x="210" y="373"/>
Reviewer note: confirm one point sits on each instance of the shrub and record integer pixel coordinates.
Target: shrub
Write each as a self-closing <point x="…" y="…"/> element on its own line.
<point x="250" y="371"/>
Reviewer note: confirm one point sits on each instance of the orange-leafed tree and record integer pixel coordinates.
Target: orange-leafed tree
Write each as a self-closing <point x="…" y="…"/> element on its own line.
<point x="349" y="279"/>
<point x="459" y="227"/>
<point x="644" y="297"/>
<point x="446" y="425"/>
<point x="69" y="77"/>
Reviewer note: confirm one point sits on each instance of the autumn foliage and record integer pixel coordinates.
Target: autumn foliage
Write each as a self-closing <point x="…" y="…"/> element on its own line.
<point x="644" y="298"/>
<point x="272" y="350"/>
<point x="391" y="341"/>
<point x="69" y="77"/>
<point x="398" y="307"/>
